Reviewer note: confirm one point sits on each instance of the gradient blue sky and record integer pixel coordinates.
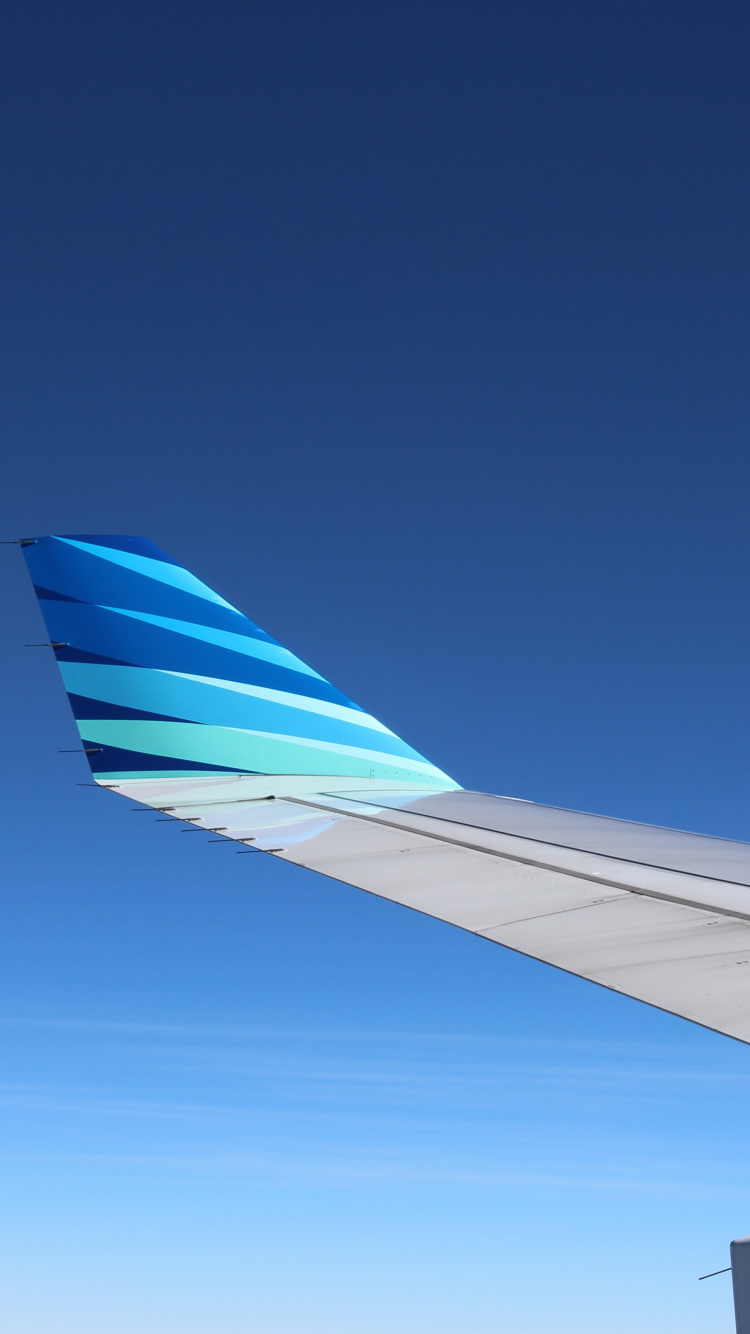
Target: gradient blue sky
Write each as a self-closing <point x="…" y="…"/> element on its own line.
<point x="421" y="333"/>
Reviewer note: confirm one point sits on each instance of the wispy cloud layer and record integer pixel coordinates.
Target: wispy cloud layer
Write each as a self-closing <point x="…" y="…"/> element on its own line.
<point x="399" y="1110"/>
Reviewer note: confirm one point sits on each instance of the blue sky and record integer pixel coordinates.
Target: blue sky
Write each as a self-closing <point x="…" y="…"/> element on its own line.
<point x="420" y="333"/>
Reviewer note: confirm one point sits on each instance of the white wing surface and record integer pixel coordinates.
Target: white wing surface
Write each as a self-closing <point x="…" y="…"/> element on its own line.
<point x="653" y="913"/>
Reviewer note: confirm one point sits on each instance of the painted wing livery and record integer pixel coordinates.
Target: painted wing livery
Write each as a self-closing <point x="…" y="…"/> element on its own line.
<point x="185" y="705"/>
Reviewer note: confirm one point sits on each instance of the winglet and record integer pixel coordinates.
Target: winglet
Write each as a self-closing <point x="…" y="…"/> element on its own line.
<point x="167" y="679"/>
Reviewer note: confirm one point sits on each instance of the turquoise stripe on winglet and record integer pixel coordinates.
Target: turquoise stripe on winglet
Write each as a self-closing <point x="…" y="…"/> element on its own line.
<point x="268" y="753"/>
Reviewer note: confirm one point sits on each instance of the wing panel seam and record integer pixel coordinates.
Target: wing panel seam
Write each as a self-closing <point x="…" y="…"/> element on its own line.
<point x="531" y="861"/>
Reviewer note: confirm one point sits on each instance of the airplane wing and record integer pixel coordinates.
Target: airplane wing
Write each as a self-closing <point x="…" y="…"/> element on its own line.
<point x="186" y="706"/>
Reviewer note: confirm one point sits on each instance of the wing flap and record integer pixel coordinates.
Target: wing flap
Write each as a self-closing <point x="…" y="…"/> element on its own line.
<point x="649" y="845"/>
<point x="680" y="959"/>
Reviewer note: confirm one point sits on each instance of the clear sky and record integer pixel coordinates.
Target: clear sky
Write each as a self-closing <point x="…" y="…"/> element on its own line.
<point x="420" y="331"/>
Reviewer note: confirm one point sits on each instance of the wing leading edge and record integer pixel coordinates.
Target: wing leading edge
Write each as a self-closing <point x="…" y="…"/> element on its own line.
<point x="187" y="707"/>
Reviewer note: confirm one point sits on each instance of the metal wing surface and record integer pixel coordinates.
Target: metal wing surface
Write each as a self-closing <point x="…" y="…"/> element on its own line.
<point x="186" y="706"/>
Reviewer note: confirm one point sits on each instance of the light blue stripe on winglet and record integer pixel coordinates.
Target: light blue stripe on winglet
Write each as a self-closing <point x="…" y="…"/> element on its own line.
<point x="157" y="691"/>
<point x="347" y="714"/>
<point x="253" y="648"/>
<point x="153" y="569"/>
<point x="162" y="693"/>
